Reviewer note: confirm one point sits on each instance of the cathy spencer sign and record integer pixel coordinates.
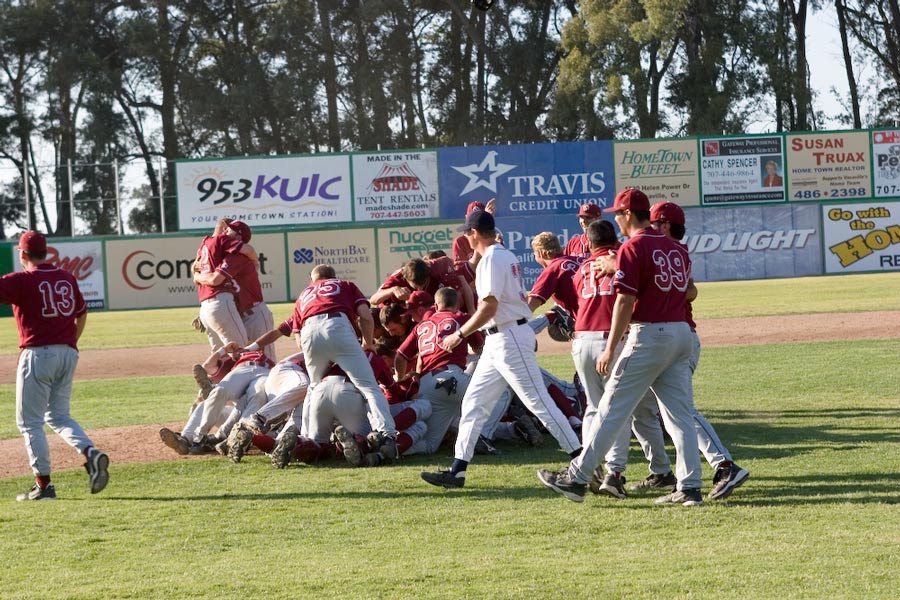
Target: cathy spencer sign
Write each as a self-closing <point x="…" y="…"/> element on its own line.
<point x="666" y="170"/>
<point x="830" y="165"/>
<point x="886" y="160"/>
<point x="264" y="191"/>
<point x="395" y="185"/>
<point x="742" y="169"/>
<point x="527" y="179"/>
<point x="862" y="237"/>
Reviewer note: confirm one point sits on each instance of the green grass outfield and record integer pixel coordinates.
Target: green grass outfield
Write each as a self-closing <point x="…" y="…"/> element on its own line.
<point x="815" y="423"/>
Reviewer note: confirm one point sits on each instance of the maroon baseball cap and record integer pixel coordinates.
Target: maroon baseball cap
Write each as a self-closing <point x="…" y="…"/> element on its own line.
<point x="473" y="207"/>
<point x="630" y="199"/>
<point x="589" y="209"/>
<point x="419" y="299"/>
<point x="242" y="228"/>
<point x="667" y="211"/>
<point x="32" y="241"/>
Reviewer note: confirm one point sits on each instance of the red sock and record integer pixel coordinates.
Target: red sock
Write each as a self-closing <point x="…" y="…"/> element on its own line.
<point x="562" y="401"/>
<point x="404" y="442"/>
<point x="42" y="480"/>
<point x="405" y="418"/>
<point x="264" y="442"/>
<point x="310" y="451"/>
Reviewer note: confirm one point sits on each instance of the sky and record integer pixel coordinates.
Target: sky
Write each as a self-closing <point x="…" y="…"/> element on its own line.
<point x="826" y="65"/>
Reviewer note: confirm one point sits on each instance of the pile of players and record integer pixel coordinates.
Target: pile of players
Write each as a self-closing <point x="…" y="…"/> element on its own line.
<point x="371" y="382"/>
<point x="381" y="377"/>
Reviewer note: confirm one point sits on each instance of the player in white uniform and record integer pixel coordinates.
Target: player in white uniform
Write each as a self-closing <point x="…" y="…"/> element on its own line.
<point x="508" y="357"/>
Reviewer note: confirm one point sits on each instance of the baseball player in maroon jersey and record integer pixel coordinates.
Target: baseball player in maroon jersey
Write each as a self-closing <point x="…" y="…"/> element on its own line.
<point x="417" y="274"/>
<point x="596" y="296"/>
<point x="239" y="273"/>
<point x="668" y="218"/>
<point x="325" y="316"/>
<point x="241" y="390"/>
<point x="218" y="308"/>
<point x="651" y="280"/>
<point x="50" y="315"/>
<point x="508" y="357"/>
<point x="579" y="246"/>
<point x="442" y="380"/>
<point x="285" y="388"/>
<point x="555" y="281"/>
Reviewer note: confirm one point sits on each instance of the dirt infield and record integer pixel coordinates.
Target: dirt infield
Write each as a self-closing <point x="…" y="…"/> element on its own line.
<point x="141" y="443"/>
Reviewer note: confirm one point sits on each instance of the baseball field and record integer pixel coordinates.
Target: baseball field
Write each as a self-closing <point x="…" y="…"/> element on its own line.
<point x="800" y="378"/>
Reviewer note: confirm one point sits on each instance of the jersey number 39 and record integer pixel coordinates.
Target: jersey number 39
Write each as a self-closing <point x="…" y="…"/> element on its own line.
<point x="671" y="271"/>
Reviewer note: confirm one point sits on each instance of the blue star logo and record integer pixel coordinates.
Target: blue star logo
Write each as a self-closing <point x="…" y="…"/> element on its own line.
<point x="484" y="174"/>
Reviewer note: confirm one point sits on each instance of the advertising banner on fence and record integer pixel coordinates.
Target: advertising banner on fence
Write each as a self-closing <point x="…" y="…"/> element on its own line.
<point x="666" y="170"/>
<point x="828" y="165"/>
<point x="886" y="158"/>
<point x="395" y="185"/>
<point x="742" y="169"/>
<point x="156" y="272"/>
<point x="84" y="260"/>
<point x="754" y="242"/>
<point x="527" y="179"/>
<point x="351" y="252"/>
<point x="397" y="245"/>
<point x="862" y="237"/>
<point x="286" y="190"/>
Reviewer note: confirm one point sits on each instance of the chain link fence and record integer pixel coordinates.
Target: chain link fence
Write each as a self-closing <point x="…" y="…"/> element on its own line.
<point x="83" y="199"/>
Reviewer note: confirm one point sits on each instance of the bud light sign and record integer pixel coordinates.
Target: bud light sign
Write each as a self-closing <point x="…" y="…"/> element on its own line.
<point x="264" y="191"/>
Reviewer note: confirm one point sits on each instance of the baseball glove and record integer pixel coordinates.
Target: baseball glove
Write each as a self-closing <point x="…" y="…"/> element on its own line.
<point x="562" y="328"/>
<point x="197" y="324"/>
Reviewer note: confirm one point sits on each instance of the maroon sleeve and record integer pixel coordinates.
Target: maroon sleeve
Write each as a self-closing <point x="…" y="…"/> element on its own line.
<point x="461" y="251"/>
<point x="546" y="283"/>
<point x="394" y="279"/>
<point x="383" y="374"/>
<point x="358" y="296"/>
<point x="9" y="289"/>
<point x="627" y="278"/>
<point x="409" y="349"/>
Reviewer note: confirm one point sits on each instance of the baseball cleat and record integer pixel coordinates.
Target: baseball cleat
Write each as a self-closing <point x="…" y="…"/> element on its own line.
<point x="239" y="441"/>
<point x="222" y="448"/>
<point x="97" y="467"/>
<point x="655" y="480"/>
<point x="726" y="480"/>
<point x="37" y="493"/>
<point x="691" y="497"/>
<point x="444" y="479"/>
<point x="284" y="447"/>
<point x="613" y="485"/>
<point x="256" y="424"/>
<point x="561" y="482"/>
<point x="525" y="429"/>
<point x="349" y="446"/>
<point x="386" y="445"/>
<point x="175" y="441"/>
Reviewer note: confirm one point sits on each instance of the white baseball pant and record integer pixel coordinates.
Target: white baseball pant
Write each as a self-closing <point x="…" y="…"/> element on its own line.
<point x="508" y="359"/>
<point x="328" y="338"/>
<point x="44" y="377"/>
<point x="222" y="320"/>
